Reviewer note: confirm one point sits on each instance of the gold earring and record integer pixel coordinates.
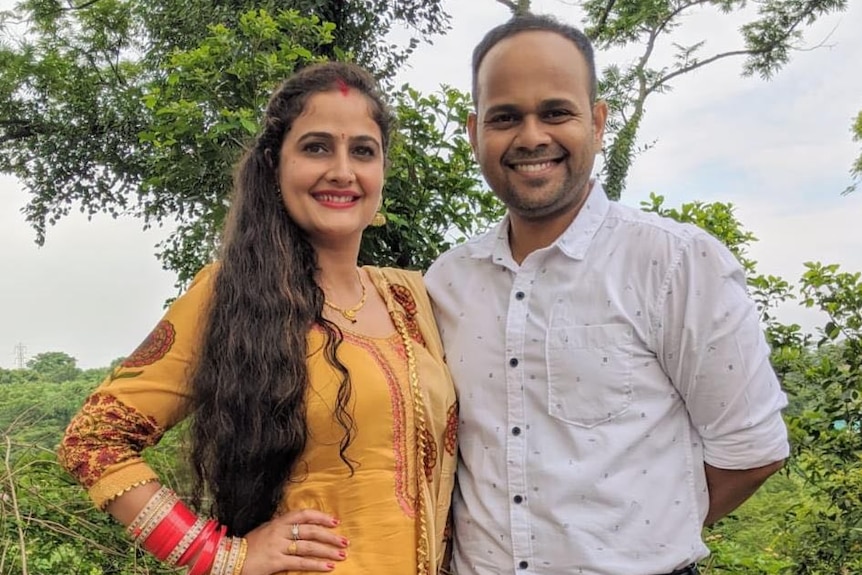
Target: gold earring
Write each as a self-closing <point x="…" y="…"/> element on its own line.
<point x="379" y="220"/>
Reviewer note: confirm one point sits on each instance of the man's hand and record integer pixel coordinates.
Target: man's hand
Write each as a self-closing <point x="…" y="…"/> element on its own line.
<point x="729" y="488"/>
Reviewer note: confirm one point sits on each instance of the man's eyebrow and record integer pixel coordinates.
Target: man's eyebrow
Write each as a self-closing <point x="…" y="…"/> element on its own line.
<point x="502" y="108"/>
<point x="557" y="103"/>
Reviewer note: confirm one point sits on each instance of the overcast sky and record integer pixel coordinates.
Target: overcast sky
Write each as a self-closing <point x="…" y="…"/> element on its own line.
<point x="779" y="150"/>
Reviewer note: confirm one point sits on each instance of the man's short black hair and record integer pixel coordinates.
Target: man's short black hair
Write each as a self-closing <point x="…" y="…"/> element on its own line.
<point x="528" y="23"/>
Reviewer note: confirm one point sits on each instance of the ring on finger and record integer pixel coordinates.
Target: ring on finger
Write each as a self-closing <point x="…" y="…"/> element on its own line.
<point x="294" y="530"/>
<point x="291" y="548"/>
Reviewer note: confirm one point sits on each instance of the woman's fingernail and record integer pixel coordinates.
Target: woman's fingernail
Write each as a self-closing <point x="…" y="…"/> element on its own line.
<point x="344" y="542"/>
<point x="336" y="521"/>
<point x="342" y="554"/>
<point x="330" y="566"/>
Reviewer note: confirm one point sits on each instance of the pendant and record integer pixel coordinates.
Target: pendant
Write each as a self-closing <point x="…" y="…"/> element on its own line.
<point x="349" y="314"/>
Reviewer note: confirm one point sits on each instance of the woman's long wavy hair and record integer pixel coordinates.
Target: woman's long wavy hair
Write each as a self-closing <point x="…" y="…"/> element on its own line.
<point x="248" y="389"/>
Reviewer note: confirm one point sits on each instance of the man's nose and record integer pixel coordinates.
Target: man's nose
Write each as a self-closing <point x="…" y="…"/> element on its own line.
<point x="532" y="134"/>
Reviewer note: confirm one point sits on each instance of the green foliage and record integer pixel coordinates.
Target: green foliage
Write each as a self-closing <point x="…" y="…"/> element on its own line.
<point x="362" y="26"/>
<point x="750" y="540"/>
<point x="717" y="218"/>
<point x="856" y="168"/>
<point x="46" y="520"/>
<point x="433" y="194"/>
<point x="770" y="38"/>
<point x="54" y="366"/>
<point x="827" y="428"/>
<point x="203" y="112"/>
<point x="173" y="116"/>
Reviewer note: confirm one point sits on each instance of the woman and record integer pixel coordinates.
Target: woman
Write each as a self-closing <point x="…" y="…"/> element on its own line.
<point x="324" y="419"/>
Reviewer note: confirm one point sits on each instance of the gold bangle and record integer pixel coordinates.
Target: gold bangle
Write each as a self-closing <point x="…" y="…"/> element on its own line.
<point x="230" y="564"/>
<point x="240" y="561"/>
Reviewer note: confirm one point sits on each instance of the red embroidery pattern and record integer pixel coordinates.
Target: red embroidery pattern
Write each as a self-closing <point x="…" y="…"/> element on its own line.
<point x="105" y="432"/>
<point x="405" y="299"/>
<point x="405" y="490"/>
<point x="154" y="347"/>
<point x="450" y="439"/>
<point x="430" y="455"/>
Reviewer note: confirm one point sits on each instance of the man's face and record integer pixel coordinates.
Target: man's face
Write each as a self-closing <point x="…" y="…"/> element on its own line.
<point x="535" y="132"/>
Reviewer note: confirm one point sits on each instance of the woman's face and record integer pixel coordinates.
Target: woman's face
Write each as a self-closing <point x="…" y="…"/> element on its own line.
<point x="331" y="167"/>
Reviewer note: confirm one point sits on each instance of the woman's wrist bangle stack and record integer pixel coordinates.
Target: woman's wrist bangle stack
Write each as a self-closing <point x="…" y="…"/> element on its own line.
<point x="168" y="529"/>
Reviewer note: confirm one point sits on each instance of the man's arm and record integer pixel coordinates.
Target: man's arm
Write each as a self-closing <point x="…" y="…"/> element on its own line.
<point x="729" y="488"/>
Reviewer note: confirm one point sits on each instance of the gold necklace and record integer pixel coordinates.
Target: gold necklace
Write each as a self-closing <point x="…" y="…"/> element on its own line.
<point x="350" y="314"/>
<point x="420" y="427"/>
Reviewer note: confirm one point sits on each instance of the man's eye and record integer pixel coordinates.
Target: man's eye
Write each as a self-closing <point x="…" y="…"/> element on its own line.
<point x="557" y="115"/>
<point x="501" y="119"/>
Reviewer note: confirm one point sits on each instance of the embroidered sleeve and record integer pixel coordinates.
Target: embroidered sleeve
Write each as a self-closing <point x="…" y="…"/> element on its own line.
<point x="105" y="433"/>
<point x="138" y="402"/>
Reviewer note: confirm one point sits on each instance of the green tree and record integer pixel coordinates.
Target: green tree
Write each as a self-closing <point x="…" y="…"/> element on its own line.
<point x="107" y="125"/>
<point x="856" y="168"/>
<point x="54" y="366"/>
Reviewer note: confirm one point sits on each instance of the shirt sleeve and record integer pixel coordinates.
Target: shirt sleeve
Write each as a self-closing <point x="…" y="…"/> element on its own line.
<point x="138" y="402"/>
<point x="712" y="346"/>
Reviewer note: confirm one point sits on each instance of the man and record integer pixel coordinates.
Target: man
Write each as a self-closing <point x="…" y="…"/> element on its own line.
<point x="614" y="383"/>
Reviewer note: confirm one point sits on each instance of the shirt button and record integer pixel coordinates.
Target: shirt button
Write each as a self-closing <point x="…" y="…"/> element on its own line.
<point x="516" y="431"/>
<point x="513" y="362"/>
<point x="519" y="295"/>
<point x="523" y="565"/>
<point x="517" y="499"/>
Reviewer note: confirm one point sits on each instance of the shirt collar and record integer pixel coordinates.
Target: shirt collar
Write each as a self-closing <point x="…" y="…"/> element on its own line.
<point x="573" y="242"/>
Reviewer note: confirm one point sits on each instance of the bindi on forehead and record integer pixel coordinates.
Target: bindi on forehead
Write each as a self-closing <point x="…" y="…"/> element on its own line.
<point x="342" y="87"/>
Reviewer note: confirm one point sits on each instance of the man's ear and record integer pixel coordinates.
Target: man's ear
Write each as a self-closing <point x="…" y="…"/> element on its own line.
<point x="600" y="117"/>
<point x="472" y="120"/>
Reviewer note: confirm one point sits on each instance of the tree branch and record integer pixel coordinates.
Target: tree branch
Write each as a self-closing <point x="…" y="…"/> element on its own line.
<point x="80" y="6"/>
<point x="603" y="19"/>
<point x="517" y="7"/>
<point x="686" y="69"/>
<point x="18" y="520"/>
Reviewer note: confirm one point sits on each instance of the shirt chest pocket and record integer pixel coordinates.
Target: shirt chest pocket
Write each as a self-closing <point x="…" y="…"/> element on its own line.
<point x="589" y="373"/>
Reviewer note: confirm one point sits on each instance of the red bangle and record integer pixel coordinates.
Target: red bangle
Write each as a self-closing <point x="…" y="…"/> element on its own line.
<point x="170" y="531"/>
<point x="207" y="555"/>
<point x="189" y="553"/>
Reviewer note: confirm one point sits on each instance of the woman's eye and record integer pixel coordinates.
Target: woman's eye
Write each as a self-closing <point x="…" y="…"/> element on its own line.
<point x="314" y="148"/>
<point x="366" y="151"/>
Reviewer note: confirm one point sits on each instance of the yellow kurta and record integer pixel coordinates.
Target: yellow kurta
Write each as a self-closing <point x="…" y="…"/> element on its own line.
<point x="378" y="504"/>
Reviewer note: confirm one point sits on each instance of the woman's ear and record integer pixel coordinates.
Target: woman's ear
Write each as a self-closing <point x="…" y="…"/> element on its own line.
<point x="267" y="154"/>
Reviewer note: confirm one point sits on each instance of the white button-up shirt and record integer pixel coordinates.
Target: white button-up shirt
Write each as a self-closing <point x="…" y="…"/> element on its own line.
<point x="594" y="380"/>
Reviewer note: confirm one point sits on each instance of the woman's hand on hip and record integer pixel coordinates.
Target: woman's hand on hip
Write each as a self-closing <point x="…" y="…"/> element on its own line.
<point x="296" y="541"/>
